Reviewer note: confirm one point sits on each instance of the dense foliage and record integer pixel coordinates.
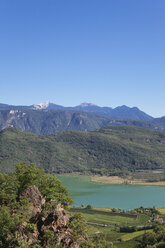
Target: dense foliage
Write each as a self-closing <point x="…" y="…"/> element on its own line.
<point x="17" y="223"/>
<point x="154" y="239"/>
<point x="11" y="186"/>
<point x="108" y="151"/>
<point x="14" y="211"/>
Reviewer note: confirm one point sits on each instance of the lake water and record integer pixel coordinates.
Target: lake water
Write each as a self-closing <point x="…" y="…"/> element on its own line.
<point x="85" y="192"/>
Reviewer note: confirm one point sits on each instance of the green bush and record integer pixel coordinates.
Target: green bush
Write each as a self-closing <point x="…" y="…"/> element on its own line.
<point x="15" y="211"/>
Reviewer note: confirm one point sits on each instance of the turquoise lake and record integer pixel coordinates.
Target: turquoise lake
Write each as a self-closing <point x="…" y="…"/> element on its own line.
<point x="85" y="192"/>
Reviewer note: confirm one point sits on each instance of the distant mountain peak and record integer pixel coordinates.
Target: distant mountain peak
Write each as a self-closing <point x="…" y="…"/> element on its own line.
<point x="86" y="104"/>
<point x="42" y="105"/>
<point x="119" y="113"/>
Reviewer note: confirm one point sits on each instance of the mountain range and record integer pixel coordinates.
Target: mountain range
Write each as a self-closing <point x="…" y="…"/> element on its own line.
<point x="47" y="118"/>
<point x="45" y="136"/>
<point x="122" y="112"/>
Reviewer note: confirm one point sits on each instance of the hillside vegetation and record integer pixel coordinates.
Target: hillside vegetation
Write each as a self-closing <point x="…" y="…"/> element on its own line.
<point x="106" y="151"/>
<point x="33" y="213"/>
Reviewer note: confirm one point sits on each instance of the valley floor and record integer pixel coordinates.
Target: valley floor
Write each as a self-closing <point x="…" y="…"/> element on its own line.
<point x="120" y="180"/>
<point x="110" y="223"/>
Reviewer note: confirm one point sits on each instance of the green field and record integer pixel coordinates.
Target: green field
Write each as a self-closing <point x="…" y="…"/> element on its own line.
<point x="110" y="218"/>
<point x="133" y="235"/>
<point x="109" y="223"/>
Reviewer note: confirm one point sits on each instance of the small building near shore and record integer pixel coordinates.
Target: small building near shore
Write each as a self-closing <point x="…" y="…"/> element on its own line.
<point x="160" y="220"/>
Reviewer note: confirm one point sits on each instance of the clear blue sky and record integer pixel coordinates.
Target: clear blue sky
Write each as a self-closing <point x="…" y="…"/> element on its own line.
<point x="108" y="52"/>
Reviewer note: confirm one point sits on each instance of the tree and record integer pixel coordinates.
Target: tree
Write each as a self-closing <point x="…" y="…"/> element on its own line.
<point x="89" y="207"/>
<point x="78" y="225"/>
<point x="14" y="211"/>
<point x="49" y="185"/>
<point x="148" y="239"/>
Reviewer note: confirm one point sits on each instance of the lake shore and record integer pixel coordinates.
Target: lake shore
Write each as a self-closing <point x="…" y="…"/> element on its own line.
<point x="123" y="196"/>
<point x="116" y="180"/>
<point x="119" y="180"/>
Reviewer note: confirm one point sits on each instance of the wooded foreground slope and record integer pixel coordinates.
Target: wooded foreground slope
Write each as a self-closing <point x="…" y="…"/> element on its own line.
<point x="104" y="151"/>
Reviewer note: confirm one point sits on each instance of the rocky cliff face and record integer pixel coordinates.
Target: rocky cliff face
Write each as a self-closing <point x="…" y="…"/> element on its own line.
<point x="47" y="221"/>
<point x="48" y="122"/>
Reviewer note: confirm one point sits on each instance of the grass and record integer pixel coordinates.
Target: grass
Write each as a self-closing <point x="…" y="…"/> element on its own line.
<point x="129" y="180"/>
<point x="133" y="235"/>
<point x="161" y="210"/>
<point x="127" y="244"/>
<point x="110" y="218"/>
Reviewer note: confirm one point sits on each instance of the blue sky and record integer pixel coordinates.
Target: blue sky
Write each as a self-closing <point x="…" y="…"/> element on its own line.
<point x="108" y="52"/>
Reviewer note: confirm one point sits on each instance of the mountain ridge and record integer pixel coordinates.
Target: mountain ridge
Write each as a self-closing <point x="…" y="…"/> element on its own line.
<point x="47" y="118"/>
<point x="103" y="151"/>
<point x="119" y="112"/>
<point x="52" y="121"/>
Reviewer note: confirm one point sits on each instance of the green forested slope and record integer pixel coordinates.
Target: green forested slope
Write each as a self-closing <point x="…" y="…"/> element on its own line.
<point x="103" y="151"/>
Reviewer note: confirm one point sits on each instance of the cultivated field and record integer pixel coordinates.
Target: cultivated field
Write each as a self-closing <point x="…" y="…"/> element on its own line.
<point x="111" y="223"/>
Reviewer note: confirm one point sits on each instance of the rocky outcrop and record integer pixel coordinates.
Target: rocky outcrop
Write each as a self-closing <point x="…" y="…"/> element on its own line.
<point x="36" y="200"/>
<point x="46" y="218"/>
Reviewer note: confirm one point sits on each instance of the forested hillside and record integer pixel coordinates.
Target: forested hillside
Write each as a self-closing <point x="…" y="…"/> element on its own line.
<point x="104" y="151"/>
